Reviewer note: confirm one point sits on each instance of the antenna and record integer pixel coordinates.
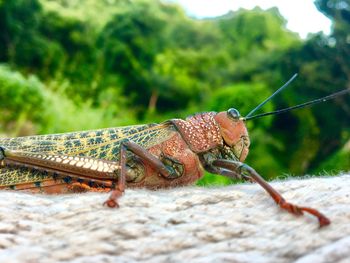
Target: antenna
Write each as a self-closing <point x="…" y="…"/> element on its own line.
<point x="316" y="101"/>
<point x="273" y="95"/>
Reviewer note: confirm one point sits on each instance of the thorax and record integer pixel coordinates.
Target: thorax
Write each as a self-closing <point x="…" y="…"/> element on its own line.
<point x="201" y="132"/>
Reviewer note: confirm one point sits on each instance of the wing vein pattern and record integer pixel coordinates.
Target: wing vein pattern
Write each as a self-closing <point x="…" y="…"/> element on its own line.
<point x="99" y="144"/>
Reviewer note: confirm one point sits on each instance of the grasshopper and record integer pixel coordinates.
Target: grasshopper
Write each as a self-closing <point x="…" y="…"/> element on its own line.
<point x="169" y="154"/>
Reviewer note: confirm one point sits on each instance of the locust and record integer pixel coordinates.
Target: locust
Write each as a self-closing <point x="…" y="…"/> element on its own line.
<point x="170" y="154"/>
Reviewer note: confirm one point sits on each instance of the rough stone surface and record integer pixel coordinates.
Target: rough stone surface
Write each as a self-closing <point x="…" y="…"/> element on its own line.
<point x="238" y="223"/>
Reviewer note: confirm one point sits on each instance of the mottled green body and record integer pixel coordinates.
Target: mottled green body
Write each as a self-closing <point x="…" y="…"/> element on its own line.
<point x="100" y="144"/>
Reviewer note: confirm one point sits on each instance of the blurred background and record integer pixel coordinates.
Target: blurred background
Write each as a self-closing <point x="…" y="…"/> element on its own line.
<point x="68" y="65"/>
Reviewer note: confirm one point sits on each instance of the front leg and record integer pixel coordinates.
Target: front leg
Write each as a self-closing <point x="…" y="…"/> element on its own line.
<point x="228" y="173"/>
<point x="248" y="172"/>
<point x="224" y="172"/>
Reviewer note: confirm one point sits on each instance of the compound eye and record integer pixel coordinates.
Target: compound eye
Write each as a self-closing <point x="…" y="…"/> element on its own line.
<point x="233" y="113"/>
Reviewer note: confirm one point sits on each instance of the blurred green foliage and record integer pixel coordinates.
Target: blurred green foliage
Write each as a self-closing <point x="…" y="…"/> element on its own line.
<point x="74" y="65"/>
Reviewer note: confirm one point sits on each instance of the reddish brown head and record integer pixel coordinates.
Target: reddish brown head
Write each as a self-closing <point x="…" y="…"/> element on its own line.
<point x="234" y="132"/>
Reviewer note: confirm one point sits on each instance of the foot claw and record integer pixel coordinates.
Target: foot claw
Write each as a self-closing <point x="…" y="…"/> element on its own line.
<point x="324" y="221"/>
<point x="111" y="203"/>
<point x="296" y="210"/>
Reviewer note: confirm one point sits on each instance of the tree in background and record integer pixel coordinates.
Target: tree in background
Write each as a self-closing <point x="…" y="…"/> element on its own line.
<point x="89" y="64"/>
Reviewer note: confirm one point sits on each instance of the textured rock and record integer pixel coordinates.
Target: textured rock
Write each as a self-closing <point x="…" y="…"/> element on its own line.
<point x="238" y="223"/>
